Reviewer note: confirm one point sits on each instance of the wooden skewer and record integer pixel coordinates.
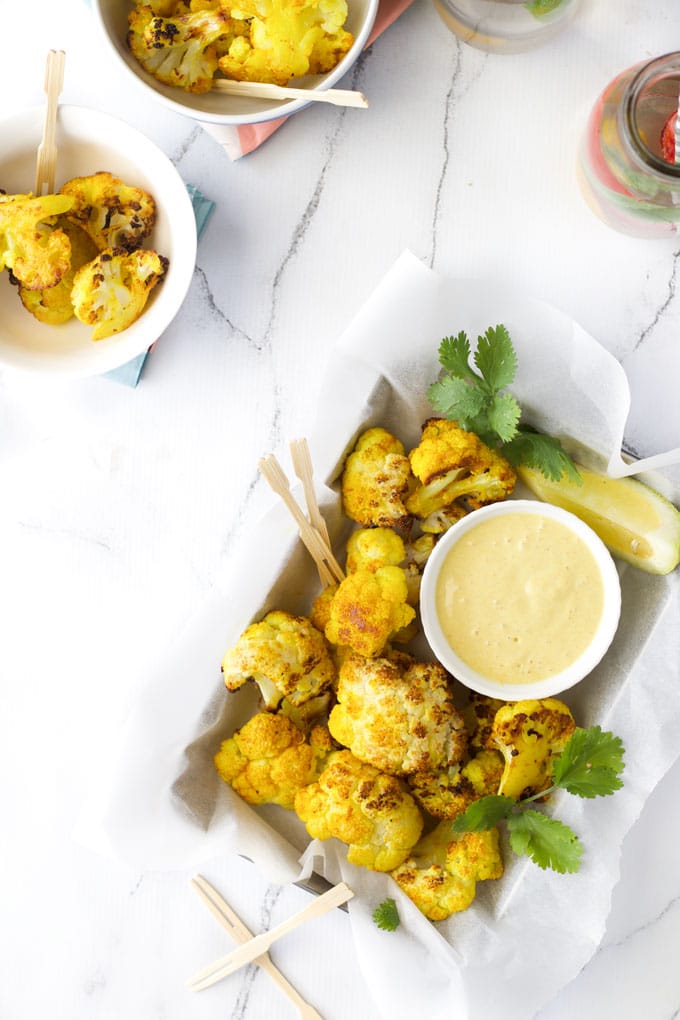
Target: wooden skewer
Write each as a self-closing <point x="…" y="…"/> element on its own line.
<point x="302" y="465"/>
<point x="260" y="943"/>
<point x="262" y="90"/>
<point x="232" y="923"/>
<point x="328" y="567"/>
<point x="47" y="150"/>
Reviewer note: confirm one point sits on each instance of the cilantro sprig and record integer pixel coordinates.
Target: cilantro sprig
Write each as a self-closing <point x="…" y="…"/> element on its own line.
<point x="475" y="398"/>
<point x="589" y="766"/>
<point x="386" y="915"/>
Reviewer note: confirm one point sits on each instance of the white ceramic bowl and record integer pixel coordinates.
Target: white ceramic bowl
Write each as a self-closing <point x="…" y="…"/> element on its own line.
<point x="550" y="685"/>
<point x="212" y="107"/>
<point x="89" y="141"/>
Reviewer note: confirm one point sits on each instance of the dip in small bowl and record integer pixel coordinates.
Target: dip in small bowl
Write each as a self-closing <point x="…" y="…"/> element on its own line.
<point x="520" y="600"/>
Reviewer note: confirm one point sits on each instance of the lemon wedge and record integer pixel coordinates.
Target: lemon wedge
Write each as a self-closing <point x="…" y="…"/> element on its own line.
<point x="636" y="523"/>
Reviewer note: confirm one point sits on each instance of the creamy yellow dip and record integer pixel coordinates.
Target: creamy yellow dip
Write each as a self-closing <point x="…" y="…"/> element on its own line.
<point x="519" y="597"/>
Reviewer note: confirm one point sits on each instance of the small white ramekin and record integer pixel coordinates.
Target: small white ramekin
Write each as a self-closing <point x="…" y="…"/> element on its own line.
<point x="558" y="682"/>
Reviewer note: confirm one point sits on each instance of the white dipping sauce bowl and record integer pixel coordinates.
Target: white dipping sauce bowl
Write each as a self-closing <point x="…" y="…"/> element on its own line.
<point x="551" y="685"/>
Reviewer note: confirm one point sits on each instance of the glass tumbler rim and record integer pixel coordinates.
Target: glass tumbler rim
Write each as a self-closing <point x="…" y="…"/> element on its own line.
<point x="631" y="96"/>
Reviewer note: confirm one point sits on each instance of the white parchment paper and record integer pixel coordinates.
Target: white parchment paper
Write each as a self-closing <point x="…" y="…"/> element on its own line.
<point x="531" y="932"/>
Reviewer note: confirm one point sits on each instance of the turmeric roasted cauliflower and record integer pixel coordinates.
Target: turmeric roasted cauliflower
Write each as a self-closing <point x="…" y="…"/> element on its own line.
<point x="287" y="39"/>
<point x="369" y="609"/>
<point x="446" y="793"/>
<point x="530" y="734"/>
<point x="370" y="811"/>
<point x="53" y="305"/>
<point x="179" y="50"/>
<point x="397" y="714"/>
<point x="370" y="548"/>
<point x="110" y="292"/>
<point x="268" y="760"/>
<point x="376" y="481"/>
<point x="285" y="655"/>
<point x="456" y="473"/>
<point x="36" y="253"/>
<point x="114" y="214"/>
<point x="440" y="876"/>
<point x="480" y="712"/>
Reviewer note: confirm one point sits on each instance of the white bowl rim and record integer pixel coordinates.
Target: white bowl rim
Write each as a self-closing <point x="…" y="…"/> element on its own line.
<point x="577" y="670"/>
<point x="281" y="110"/>
<point x="108" y="357"/>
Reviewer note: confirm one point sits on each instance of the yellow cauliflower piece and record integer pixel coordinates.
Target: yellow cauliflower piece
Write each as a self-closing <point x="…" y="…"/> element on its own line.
<point x="376" y="480"/>
<point x="114" y="214"/>
<point x="285" y="655"/>
<point x="417" y="555"/>
<point x="53" y="305"/>
<point x="372" y="812"/>
<point x="370" y="548"/>
<point x="179" y="50"/>
<point x="287" y="39"/>
<point x="368" y="609"/>
<point x="441" y="874"/>
<point x="320" y="612"/>
<point x="268" y="760"/>
<point x="36" y="253"/>
<point x="479" y="713"/>
<point x="457" y="472"/>
<point x="397" y="714"/>
<point x="110" y="292"/>
<point x="446" y="793"/>
<point x="530" y="734"/>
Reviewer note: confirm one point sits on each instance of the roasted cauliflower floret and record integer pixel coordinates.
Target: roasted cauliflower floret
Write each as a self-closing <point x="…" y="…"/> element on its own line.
<point x="285" y="655"/>
<point x="456" y="472"/>
<point x="110" y="292"/>
<point x="114" y="214"/>
<point x="376" y="480"/>
<point x="369" y="609"/>
<point x="370" y="548"/>
<point x="370" y="811"/>
<point x="446" y="793"/>
<point x="287" y="39"/>
<point x="417" y="555"/>
<point x="441" y="874"/>
<point x="179" y="50"/>
<point x="530" y="734"/>
<point x="268" y="760"/>
<point x="479" y="713"/>
<point x="397" y="714"/>
<point x="53" y="305"/>
<point x="36" y="253"/>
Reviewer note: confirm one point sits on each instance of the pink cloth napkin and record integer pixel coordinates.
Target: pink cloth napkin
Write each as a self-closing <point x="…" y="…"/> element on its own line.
<point x="239" y="141"/>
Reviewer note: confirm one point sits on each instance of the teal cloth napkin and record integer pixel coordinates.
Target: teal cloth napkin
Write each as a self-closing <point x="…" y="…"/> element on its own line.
<point x="129" y="374"/>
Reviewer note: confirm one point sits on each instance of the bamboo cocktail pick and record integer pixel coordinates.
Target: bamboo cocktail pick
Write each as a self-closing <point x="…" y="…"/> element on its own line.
<point x="302" y="465"/>
<point x="258" y="945"/>
<point x="47" y="150"/>
<point x="329" y="569"/>
<point x="232" y="923"/>
<point x="261" y="90"/>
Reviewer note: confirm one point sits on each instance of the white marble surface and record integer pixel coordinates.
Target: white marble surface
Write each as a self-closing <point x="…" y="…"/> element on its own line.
<point x="120" y="507"/>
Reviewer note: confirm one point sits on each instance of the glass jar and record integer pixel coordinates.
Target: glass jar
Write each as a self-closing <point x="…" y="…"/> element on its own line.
<point x="626" y="168"/>
<point x="505" y="26"/>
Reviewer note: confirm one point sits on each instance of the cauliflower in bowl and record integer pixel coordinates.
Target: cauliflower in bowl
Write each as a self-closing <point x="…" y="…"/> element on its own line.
<point x="188" y="44"/>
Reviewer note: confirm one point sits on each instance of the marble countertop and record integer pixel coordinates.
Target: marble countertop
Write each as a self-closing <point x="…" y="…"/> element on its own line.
<point x="120" y="507"/>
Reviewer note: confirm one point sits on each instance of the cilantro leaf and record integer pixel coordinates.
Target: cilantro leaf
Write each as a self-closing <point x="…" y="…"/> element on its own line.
<point x="503" y="417"/>
<point x="455" y="398"/>
<point x="544" y="453"/>
<point x="454" y="355"/>
<point x="539" y="8"/>
<point x="484" y="813"/>
<point x="590" y="764"/>
<point x="549" y="843"/>
<point x="386" y="915"/>
<point x="495" y="358"/>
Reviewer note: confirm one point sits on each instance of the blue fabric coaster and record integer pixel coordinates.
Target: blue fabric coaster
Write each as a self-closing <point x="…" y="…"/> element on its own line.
<point x="129" y="373"/>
